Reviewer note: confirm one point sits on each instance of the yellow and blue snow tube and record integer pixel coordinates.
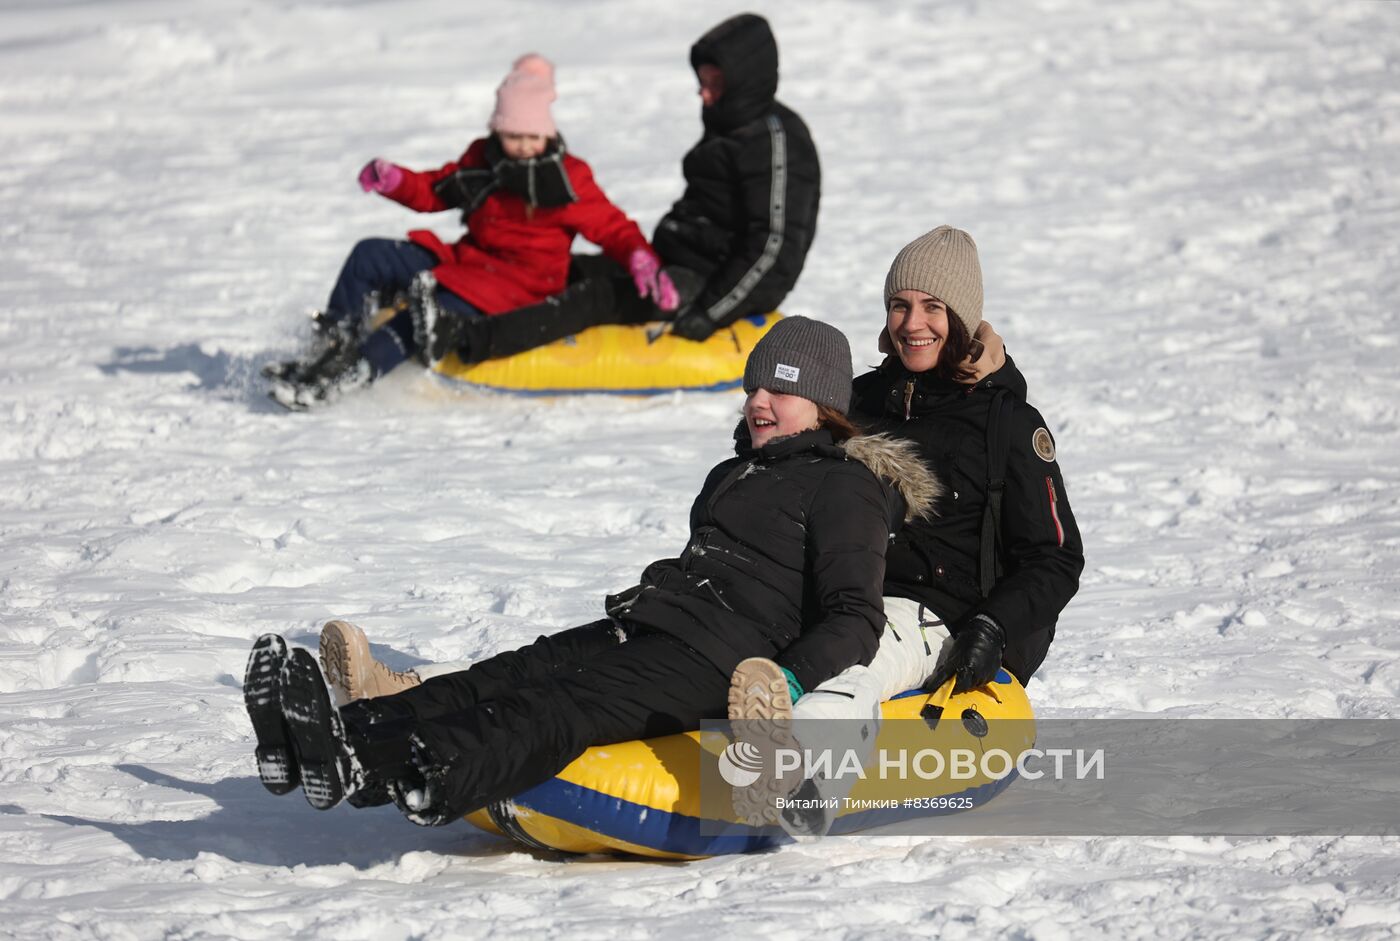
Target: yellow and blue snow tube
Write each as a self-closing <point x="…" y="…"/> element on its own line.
<point x="621" y="360"/>
<point x="644" y="797"/>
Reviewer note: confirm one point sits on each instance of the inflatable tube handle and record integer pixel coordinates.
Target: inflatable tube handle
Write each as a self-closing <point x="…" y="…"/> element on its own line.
<point x="937" y="701"/>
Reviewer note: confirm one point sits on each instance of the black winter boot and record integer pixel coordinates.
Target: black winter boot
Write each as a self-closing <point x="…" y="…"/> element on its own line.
<point x="359" y="760"/>
<point x="340" y="369"/>
<point x="315" y="730"/>
<point x="327" y="335"/>
<point x="439" y="333"/>
<point x="277" y="766"/>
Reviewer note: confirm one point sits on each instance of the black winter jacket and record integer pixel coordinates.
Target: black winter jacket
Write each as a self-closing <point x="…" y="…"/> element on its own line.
<point x="937" y="562"/>
<point x="752" y="183"/>
<point x="785" y="560"/>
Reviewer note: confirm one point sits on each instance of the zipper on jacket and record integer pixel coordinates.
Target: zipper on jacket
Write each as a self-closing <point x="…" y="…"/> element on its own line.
<point x="699" y="543"/>
<point x="707" y="584"/>
<point x="730" y="552"/>
<point x="908" y="397"/>
<point x="1054" y="512"/>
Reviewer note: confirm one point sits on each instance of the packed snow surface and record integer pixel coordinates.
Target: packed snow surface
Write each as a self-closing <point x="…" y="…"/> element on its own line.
<point x="1187" y="215"/>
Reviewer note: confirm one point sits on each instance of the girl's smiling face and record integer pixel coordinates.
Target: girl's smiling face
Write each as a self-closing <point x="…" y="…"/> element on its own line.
<point x="771" y="415"/>
<point x="918" y="327"/>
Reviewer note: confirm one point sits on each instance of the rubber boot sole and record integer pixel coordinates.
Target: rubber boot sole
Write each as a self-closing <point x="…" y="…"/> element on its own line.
<point x="277" y="766"/>
<point x="315" y="730"/>
<point x="760" y="708"/>
<point x="343" y="645"/>
<point x="351" y="669"/>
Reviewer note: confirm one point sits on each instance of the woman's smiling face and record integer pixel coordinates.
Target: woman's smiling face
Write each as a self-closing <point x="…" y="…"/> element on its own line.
<point x="918" y="327"/>
<point x="771" y="415"/>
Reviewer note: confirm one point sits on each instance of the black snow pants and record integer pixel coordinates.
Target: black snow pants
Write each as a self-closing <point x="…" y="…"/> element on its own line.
<point x="599" y="292"/>
<point x="516" y="719"/>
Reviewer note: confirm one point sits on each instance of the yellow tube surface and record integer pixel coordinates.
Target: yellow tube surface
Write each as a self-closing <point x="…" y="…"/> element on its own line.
<point x="644" y="797"/>
<point x="623" y="360"/>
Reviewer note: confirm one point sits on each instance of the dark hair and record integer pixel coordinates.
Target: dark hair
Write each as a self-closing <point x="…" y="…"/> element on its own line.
<point x="959" y="352"/>
<point x="840" y="426"/>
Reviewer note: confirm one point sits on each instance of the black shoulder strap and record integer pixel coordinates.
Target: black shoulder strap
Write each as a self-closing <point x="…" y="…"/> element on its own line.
<point x="998" y="450"/>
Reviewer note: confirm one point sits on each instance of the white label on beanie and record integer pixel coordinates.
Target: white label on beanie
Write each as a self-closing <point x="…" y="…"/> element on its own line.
<point x="784" y="371"/>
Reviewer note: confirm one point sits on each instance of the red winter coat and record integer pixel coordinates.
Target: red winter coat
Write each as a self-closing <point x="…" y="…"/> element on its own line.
<point x="511" y="256"/>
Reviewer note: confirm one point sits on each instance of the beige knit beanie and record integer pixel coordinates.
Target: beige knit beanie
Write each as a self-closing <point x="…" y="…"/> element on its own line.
<point x="942" y="263"/>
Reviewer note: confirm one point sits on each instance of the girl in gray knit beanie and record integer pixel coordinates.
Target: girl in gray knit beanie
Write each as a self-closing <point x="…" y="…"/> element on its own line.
<point x="798" y="377"/>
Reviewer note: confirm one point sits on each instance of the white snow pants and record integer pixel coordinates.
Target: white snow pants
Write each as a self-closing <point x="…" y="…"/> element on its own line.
<point x="913" y="642"/>
<point x="844" y="712"/>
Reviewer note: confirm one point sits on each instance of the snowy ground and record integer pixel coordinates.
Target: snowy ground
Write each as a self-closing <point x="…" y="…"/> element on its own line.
<point x="1187" y="214"/>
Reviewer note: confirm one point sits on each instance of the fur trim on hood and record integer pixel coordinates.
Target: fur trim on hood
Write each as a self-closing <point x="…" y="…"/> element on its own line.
<point x="897" y="461"/>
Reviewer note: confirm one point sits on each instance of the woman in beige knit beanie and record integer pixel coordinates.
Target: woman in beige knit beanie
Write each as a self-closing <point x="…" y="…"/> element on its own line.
<point x="1005" y="555"/>
<point x="933" y="304"/>
<point x="970" y="597"/>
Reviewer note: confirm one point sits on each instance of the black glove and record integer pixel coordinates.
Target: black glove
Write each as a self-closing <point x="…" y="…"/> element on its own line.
<point x="975" y="657"/>
<point x="693" y="325"/>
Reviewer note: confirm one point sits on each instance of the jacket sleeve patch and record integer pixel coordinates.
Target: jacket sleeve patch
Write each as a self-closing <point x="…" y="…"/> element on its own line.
<point x="1043" y="444"/>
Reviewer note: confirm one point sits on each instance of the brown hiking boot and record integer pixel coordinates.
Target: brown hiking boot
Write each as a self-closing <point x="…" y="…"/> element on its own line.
<point x="351" y="669"/>
<point x="760" y="708"/>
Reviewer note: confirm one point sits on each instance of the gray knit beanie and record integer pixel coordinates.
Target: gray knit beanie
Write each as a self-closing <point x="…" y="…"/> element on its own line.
<point x="942" y="263"/>
<point x="798" y="356"/>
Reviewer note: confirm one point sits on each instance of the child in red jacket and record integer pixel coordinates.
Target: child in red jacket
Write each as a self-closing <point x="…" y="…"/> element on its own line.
<point x="523" y="198"/>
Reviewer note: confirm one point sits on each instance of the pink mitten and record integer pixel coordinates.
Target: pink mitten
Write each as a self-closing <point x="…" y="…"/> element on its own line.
<point x="651" y="281"/>
<point x="667" y="297"/>
<point x="380" y="176"/>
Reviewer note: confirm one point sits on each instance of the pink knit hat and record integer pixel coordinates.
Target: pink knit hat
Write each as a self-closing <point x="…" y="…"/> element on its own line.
<point x="522" y="101"/>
